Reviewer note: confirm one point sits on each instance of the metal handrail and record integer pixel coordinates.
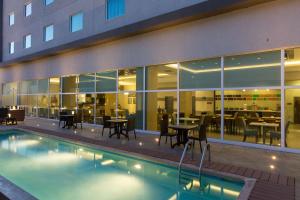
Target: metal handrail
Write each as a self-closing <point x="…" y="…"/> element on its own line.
<point x="204" y="150"/>
<point x="182" y="157"/>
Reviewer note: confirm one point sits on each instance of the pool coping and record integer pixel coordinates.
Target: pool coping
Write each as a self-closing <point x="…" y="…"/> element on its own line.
<point x="249" y="183"/>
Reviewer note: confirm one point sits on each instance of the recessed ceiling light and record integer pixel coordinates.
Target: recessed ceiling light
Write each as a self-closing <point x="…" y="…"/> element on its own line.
<point x="272" y="167"/>
<point x="274" y="157"/>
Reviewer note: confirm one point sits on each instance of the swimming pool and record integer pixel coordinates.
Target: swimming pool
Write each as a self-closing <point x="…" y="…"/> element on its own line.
<point x="53" y="169"/>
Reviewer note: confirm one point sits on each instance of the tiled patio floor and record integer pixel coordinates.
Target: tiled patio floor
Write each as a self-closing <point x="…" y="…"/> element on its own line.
<point x="276" y="183"/>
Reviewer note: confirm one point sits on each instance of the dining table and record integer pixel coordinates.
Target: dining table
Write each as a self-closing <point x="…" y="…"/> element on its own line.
<point x="262" y="125"/>
<point x="189" y="120"/>
<point x="182" y="131"/>
<point x="118" y="124"/>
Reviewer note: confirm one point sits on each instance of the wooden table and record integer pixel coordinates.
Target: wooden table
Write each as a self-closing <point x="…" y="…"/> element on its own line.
<point x="118" y="127"/>
<point x="68" y="119"/>
<point x="262" y="125"/>
<point x="182" y="133"/>
<point x="189" y="119"/>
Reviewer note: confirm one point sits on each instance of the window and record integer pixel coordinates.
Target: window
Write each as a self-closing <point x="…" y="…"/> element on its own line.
<point x="161" y="77"/>
<point x="77" y="22"/>
<point x="11" y="47"/>
<point x="48" y="33"/>
<point x="48" y="2"/>
<point x="252" y="70"/>
<point x="28" y="9"/>
<point x="27" y="41"/>
<point x="11" y="19"/>
<point x="115" y="8"/>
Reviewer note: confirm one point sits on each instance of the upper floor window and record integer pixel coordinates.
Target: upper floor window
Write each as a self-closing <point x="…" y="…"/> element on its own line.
<point x="27" y="41"/>
<point x="115" y="8"/>
<point x="48" y="2"/>
<point x="48" y="33"/>
<point x="11" y="47"/>
<point x="11" y="19"/>
<point x="76" y="22"/>
<point x="28" y="9"/>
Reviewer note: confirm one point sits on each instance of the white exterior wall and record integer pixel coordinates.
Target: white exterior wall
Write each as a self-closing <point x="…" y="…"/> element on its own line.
<point x="263" y="27"/>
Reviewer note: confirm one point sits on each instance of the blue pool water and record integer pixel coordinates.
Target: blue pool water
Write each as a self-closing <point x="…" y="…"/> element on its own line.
<point x="53" y="169"/>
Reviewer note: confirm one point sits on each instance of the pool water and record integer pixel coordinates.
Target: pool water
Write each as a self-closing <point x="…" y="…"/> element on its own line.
<point x="54" y="169"/>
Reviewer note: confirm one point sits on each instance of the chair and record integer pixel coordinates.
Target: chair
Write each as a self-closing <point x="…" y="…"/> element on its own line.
<point x="164" y="131"/>
<point x="130" y="126"/>
<point x="277" y="134"/>
<point x="199" y="136"/>
<point x="77" y="120"/>
<point x="3" y="114"/>
<point x="106" y="124"/>
<point x="249" y="131"/>
<point x="62" y="118"/>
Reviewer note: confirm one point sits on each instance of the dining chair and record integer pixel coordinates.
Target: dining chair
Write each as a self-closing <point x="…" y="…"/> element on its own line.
<point x="130" y="126"/>
<point x="249" y="132"/>
<point x="107" y="125"/>
<point x="199" y="136"/>
<point x="277" y="134"/>
<point x="164" y="131"/>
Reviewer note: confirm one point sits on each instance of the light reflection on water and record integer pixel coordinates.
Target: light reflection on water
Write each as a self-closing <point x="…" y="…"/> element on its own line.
<point x="52" y="169"/>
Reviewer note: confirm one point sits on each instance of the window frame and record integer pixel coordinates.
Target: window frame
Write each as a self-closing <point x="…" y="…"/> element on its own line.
<point x="10" y="17"/>
<point x="45" y="33"/>
<point x="25" y="9"/>
<point x="71" y="22"/>
<point x="25" y="41"/>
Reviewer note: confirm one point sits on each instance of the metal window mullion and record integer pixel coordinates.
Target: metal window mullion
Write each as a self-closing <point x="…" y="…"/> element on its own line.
<point x="222" y="98"/>
<point x="117" y="94"/>
<point x="144" y="98"/>
<point x="282" y="100"/>
<point x="178" y="95"/>
<point x="95" y="98"/>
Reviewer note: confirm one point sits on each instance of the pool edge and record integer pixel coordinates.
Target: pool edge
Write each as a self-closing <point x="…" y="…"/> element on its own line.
<point x="245" y="192"/>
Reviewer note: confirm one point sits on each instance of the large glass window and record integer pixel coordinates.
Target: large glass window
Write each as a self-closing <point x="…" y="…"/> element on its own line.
<point x="29" y="87"/>
<point x="292" y="118"/>
<point x="69" y="103"/>
<point x="86" y="103"/>
<point x="29" y="102"/>
<point x="131" y="104"/>
<point x="43" y="85"/>
<point x="251" y="115"/>
<point x="54" y="84"/>
<point x="86" y="83"/>
<point x="253" y="70"/>
<point x="201" y="107"/>
<point x="200" y="74"/>
<point x="43" y="102"/>
<point x="9" y="94"/>
<point x="77" y="22"/>
<point x="69" y="84"/>
<point x="161" y="77"/>
<point x="54" y="106"/>
<point x="157" y="104"/>
<point x="131" y="79"/>
<point x="105" y="106"/>
<point x="115" y="8"/>
<point x="48" y="33"/>
<point x="106" y="81"/>
<point x="292" y="67"/>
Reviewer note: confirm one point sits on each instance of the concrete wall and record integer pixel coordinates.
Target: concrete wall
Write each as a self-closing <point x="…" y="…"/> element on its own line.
<point x="59" y="12"/>
<point x="263" y="27"/>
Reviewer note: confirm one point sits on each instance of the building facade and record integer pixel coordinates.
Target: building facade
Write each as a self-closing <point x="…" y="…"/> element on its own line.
<point x="221" y="58"/>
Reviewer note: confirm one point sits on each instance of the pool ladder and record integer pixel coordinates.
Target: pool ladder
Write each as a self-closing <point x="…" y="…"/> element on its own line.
<point x="203" y="154"/>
